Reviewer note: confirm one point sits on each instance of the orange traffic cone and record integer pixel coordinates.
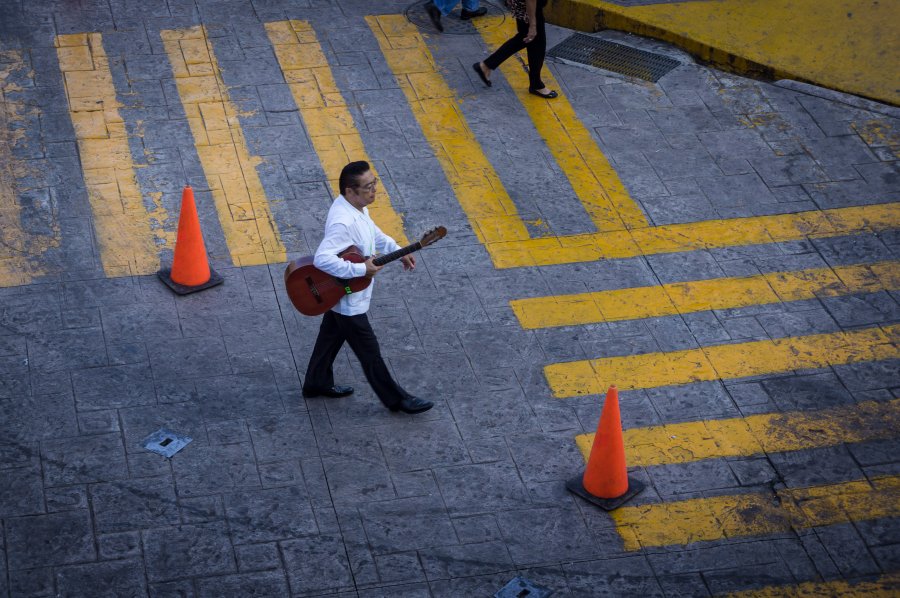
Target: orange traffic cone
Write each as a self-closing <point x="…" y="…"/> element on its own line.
<point x="190" y="270"/>
<point x="605" y="482"/>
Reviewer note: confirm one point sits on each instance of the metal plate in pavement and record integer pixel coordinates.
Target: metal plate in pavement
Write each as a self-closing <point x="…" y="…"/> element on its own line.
<point x="165" y="442"/>
<point x="519" y="587"/>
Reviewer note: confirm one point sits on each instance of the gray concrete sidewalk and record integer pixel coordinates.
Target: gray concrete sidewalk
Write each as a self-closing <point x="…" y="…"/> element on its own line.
<point x="279" y="495"/>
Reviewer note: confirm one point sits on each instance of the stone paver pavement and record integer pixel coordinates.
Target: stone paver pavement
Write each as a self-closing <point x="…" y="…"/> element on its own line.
<point x="279" y="495"/>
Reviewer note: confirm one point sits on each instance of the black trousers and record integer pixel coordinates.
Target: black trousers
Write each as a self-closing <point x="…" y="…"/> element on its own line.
<point x="536" y="49"/>
<point x="357" y="331"/>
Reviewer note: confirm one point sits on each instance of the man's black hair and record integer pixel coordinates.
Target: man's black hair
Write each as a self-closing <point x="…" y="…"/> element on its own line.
<point x="350" y="175"/>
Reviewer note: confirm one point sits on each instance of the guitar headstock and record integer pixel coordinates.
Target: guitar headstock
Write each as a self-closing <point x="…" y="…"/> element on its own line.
<point x="433" y="236"/>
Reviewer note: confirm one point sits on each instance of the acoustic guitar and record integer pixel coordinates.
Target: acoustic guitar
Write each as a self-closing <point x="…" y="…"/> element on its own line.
<point x="314" y="292"/>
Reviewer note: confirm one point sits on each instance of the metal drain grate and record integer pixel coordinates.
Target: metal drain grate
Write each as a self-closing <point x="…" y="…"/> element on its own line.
<point x="453" y="25"/>
<point x="610" y="56"/>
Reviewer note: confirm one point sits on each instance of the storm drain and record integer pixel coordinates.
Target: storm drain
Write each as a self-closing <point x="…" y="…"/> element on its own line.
<point x="618" y="58"/>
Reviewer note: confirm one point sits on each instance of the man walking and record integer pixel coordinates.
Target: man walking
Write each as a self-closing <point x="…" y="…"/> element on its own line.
<point x="441" y="8"/>
<point x="348" y="223"/>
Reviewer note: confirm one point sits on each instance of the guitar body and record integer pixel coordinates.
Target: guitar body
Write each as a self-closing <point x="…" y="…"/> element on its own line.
<point x="314" y="292"/>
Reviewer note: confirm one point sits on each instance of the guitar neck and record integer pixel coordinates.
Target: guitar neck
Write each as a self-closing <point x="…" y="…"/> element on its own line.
<point x="396" y="255"/>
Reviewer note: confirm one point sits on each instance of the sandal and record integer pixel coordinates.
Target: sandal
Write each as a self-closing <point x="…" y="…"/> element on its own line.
<point x="481" y="75"/>
<point x="548" y="96"/>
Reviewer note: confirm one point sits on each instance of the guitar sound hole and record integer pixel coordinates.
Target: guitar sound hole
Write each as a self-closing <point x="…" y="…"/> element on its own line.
<point x="313" y="289"/>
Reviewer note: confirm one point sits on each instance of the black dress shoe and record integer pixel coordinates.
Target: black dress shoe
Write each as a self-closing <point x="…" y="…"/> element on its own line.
<point x="434" y="14"/>
<point x="413" y="405"/>
<point x="465" y="15"/>
<point x="548" y="96"/>
<point x="335" y="392"/>
<point x="477" y="68"/>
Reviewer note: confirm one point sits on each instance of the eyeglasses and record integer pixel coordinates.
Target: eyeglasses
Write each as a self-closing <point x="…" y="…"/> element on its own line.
<point x="370" y="187"/>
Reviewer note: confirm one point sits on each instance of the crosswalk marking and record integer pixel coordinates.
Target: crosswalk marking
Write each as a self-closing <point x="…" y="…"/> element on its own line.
<point x="328" y="120"/>
<point x="496" y="221"/>
<point x="700" y="295"/>
<point x="247" y="222"/>
<point x="737" y="360"/>
<point x="740" y="515"/>
<point x="249" y="226"/>
<point x="886" y="586"/>
<point x="755" y="434"/>
<point x="433" y="103"/>
<point x="127" y="241"/>
<point x="590" y="174"/>
<point x="708" y="234"/>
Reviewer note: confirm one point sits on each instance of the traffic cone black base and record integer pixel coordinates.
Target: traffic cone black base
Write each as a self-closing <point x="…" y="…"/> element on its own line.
<point x="576" y="486"/>
<point x="166" y="276"/>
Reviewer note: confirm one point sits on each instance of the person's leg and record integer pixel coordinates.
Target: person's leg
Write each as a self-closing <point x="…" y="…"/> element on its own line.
<point x="434" y="14"/>
<point x="362" y="340"/>
<point x="536" y="52"/>
<point x="509" y="47"/>
<point x="446" y="6"/>
<point x="319" y="373"/>
<point x="470" y="10"/>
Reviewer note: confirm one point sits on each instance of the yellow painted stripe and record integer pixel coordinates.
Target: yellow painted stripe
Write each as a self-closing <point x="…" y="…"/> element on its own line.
<point x="247" y="222"/>
<point x="323" y="109"/>
<point x="590" y="174"/>
<point x="886" y="586"/>
<point x="755" y="434"/>
<point x="734" y="516"/>
<point x="702" y="295"/>
<point x="127" y="240"/>
<point x="14" y="241"/>
<point x="478" y="188"/>
<point x="690" y="236"/>
<point x="737" y="360"/>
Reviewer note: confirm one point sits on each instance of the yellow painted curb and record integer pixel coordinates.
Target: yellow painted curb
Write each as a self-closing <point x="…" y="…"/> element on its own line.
<point x="846" y="45"/>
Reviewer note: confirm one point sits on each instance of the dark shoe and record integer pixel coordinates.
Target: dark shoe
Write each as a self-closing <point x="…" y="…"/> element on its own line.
<point x="549" y="95"/>
<point x="465" y="15"/>
<point x="481" y="75"/>
<point x="434" y="14"/>
<point x="335" y="392"/>
<point x="413" y="405"/>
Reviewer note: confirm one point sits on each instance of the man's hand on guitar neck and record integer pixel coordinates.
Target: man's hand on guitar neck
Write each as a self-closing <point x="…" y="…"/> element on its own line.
<point x="371" y="268"/>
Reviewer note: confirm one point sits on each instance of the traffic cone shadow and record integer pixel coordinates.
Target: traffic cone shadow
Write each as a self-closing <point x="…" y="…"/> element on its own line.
<point x="190" y="270"/>
<point x="605" y="482"/>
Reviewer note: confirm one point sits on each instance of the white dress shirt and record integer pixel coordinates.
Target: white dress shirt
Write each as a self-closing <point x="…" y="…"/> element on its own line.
<point x="346" y="226"/>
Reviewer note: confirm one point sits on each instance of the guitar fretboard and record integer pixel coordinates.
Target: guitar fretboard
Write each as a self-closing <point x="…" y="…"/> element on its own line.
<point x="396" y="255"/>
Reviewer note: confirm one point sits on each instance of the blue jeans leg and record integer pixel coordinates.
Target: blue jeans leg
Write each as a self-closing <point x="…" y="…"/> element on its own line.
<point x="470" y="5"/>
<point x="447" y="6"/>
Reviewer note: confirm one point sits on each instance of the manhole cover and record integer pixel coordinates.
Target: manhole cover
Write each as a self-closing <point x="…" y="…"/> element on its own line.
<point x="618" y="58"/>
<point x="453" y="25"/>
